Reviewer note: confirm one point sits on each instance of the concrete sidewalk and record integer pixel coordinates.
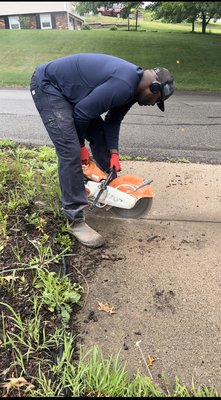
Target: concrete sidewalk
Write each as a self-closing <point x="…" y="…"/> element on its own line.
<point x="162" y="276"/>
<point x="184" y="192"/>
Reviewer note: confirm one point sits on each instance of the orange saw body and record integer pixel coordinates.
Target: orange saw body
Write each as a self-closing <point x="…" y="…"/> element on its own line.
<point x="128" y="196"/>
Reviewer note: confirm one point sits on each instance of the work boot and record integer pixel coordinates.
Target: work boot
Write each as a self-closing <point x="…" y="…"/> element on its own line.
<point x="85" y="235"/>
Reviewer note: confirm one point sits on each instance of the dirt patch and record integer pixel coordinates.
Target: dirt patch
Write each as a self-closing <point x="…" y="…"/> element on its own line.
<point x="17" y="290"/>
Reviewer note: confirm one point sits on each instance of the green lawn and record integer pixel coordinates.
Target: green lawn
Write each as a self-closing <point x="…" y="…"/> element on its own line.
<point x="162" y="45"/>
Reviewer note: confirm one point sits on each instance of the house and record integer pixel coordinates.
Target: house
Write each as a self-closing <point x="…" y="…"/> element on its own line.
<point x="39" y="15"/>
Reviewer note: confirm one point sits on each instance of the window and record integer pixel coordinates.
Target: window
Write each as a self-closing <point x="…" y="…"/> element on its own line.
<point x="45" y="21"/>
<point x="14" y="22"/>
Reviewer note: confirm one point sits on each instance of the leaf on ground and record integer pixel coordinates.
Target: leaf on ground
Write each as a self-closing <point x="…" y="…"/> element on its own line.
<point x="39" y="229"/>
<point x="9" y="278"/>
<point x="150" y="360"/>
<point x="106" y="308"/>
<point x="16" y="383"/>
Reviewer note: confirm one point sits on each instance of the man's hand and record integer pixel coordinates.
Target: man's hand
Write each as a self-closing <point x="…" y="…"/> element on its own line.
<point x="114" y="162"/>
<point x="85" y="155"/>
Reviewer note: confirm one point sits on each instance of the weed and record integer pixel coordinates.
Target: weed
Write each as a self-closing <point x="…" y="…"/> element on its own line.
<point x="94" y="376"/>
<point x="139" y="158"/>
<point x="45" y="254"/>
<point x="27" y="176"/>
<point x="3" y="224"/>
<point x="16" y="201"/>
<point x="8" y="282"/>
<point x="47" y="154"/>
<point x="6" y="143"/>
<point x="22" y="154"/>
<point x="59" y="294"/>
<point x="36" y="220"/>
<point x="25" y="341"/>
<point x="16" y="251"/>
<point x="125" y="158"/>
<point x="4" y="174"/>
<point x="65" y="241"/>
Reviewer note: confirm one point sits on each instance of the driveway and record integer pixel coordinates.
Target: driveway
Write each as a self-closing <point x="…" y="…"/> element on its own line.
<point x="188" y="129"/>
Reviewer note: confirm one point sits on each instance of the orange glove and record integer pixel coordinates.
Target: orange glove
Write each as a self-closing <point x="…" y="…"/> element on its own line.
<point x="114" y="162"/>
<point x="85" y="156"/>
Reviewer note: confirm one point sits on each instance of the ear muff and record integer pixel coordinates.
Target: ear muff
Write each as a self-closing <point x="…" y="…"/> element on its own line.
<point x="167" y="89"/>
<point x="155" y="87"/>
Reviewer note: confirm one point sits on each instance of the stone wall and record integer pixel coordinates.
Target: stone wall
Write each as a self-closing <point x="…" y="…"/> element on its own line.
<point x="61" y="20"/>
<point x="2" y="23"/>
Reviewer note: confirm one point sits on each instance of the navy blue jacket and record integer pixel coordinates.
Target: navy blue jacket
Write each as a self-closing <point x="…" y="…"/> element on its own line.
<point x="94" y="84"/>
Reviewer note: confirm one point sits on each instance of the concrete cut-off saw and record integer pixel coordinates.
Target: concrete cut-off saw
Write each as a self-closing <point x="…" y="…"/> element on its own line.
<point x="126" y="196"/>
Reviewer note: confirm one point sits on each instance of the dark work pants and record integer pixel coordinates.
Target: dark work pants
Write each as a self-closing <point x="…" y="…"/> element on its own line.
<point x="57" y="115"/>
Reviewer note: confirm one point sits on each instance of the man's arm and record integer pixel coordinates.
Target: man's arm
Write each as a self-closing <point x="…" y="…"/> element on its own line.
<point x="111" y="95"/>
<point x="112" y="123"/>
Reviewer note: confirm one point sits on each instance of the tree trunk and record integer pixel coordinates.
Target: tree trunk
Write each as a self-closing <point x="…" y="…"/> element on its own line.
<point x="128" y="23"/>
<point x="204" y="24"/>
<point x="193" y="26"/>
<point x="136" y="18"/>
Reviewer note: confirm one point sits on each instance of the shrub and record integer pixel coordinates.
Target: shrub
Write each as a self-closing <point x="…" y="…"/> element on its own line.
<point x="113" y="28"/>
<point x="85" y="27"/>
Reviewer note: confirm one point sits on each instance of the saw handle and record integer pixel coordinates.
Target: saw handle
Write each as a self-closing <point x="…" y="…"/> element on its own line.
<point x="145" y="183"/>
<point x="103" y="186"/>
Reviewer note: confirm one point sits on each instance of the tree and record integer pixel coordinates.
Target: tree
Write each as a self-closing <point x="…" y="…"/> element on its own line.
<point x="83" y="7"/>
<point x="87" y="6"/>
<point x="127" y="6"/>
<point x="187" y="11"/>
<point x="208" y="10"/>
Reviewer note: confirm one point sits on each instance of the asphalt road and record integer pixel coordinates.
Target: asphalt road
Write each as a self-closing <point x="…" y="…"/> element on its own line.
<point x="189" y="129"/>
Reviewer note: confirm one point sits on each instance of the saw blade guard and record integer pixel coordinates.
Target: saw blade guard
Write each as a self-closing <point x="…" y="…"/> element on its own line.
<point x="129" y="185"/>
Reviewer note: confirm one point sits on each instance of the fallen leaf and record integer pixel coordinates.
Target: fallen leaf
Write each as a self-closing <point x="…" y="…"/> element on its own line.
<point x="106" y="308"/>
<point x="16" y="383"/>
<point x="39" y="229"/>
<point x="9" y="278"/>
<point x="150" y="360"/>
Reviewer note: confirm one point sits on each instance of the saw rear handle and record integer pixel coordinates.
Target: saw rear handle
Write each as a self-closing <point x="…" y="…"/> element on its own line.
<point x="103" y="186"/>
